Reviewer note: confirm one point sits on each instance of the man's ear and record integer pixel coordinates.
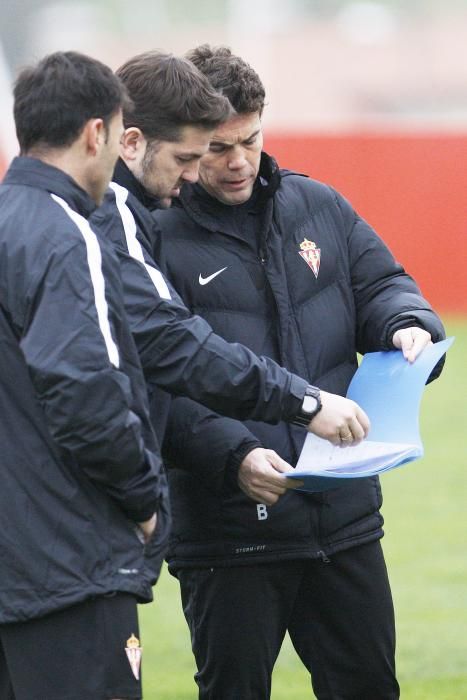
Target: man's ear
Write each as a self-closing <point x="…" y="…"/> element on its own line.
<point x="94" y="135"/>
<point x="132" y="144"/>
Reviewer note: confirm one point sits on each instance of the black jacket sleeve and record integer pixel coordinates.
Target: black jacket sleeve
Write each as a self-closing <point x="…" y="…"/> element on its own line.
<point x="386" y="297"/>
<point x="68" y="341"/>
<point x="179" y="351"/>
<point x="205" y="443"/>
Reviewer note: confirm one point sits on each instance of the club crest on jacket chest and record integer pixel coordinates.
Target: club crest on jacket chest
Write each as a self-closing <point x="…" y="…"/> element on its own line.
<point x="311" y="254"/>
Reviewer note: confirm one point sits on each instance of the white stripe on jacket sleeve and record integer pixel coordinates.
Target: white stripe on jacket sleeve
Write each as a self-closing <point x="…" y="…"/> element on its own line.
<point x="94" y="258"/>
<point x="134" y="246"/>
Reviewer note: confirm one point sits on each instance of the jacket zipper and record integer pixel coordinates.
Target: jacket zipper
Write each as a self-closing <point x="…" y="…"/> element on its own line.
<point x="323" y="556"/>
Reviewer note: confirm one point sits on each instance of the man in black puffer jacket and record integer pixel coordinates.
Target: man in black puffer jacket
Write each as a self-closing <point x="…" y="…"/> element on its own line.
<point x="284" y="265"/>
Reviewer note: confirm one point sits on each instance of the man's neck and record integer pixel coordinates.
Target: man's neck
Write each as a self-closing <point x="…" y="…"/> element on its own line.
<point x="66" y="160"/>
<point x="124" y="176"/>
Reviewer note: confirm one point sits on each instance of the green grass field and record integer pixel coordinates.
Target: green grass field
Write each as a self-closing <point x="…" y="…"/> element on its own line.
<point x="425" y="509"/>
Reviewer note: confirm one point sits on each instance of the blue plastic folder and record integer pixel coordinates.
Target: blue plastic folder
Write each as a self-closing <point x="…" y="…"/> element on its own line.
<point x="389" y="389"/>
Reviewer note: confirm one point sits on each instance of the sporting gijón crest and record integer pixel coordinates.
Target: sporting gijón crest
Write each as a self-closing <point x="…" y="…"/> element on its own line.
<point x="311" y="255"/>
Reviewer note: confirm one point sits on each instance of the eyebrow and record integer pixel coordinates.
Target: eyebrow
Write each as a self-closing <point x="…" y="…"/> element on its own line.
<point x="189" y="154"/>
<point x="218" y="142"/>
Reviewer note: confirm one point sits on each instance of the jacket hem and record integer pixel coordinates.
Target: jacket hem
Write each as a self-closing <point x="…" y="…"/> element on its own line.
<point x="303" y="552"/>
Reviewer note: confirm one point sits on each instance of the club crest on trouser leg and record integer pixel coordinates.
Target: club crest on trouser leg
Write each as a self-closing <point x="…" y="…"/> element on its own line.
<point x="134" y="653"/>
<point x="311" y="255"/>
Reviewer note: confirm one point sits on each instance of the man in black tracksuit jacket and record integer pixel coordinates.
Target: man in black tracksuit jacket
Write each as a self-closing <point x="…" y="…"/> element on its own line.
<point x="297" y="275"/>
<point x="80" y="464"/>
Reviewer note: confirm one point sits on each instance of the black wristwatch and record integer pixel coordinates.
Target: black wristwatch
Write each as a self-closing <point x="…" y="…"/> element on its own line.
<point x="310" y="407"/>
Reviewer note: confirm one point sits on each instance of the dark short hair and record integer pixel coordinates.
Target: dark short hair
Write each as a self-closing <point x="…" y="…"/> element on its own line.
<point x="230" y="75"/>
<point x="54" y="99"/>
<point x="169" y="93"/>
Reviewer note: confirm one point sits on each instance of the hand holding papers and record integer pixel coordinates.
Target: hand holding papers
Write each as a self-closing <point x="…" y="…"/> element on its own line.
<point x="389" y="389"/>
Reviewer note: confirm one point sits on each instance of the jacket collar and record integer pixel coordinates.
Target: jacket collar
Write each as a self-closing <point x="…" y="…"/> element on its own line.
<point x="33" y="172"/>
<point x="269" y="175"/>
<point x="124" y="177"/>
<point x="216" y="216"/>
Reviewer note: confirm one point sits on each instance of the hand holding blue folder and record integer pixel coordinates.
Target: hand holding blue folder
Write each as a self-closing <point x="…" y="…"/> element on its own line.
<point x="389" y="389"/>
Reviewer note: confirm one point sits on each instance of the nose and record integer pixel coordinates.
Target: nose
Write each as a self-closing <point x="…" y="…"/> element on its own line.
<point x="191" y="174"/>
<point x="237" y="159"/>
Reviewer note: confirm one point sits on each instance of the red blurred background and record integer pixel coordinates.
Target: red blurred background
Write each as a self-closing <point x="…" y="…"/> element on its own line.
<point x="412" y="188"/>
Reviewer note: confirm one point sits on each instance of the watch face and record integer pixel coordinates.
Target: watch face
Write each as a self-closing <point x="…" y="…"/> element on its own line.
<point x="310" y="404"/>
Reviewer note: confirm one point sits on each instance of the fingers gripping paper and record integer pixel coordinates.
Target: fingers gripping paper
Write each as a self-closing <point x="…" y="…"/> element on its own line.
<point x="389" y="389"/>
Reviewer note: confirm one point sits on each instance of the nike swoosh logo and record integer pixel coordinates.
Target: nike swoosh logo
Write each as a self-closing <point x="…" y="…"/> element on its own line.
<point x="205" y="280"/>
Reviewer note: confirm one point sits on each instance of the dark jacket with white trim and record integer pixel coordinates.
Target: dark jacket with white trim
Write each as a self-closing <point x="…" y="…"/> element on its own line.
<point x="79" y="461"/>
<point x="311" y="315"/>
<point x="179" y="352"/>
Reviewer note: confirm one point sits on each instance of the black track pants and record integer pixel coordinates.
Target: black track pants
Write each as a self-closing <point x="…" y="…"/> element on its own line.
<point x="72" y="654"/>
<point x="339" y="616"/>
